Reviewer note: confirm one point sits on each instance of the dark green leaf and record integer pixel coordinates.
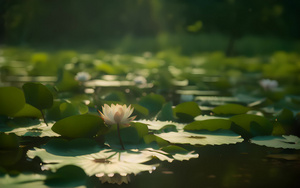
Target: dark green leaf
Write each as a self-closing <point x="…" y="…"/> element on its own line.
<point x="78" y="126"/>
<point x="67" y="176"/>
<point x="261" y="125"/>
<point x="152" y="102"/>
<point x="140" y="111"/>
<point x="166" y="113"/>
<point x="12" y="100"/>
<point x="8" y="141"/>
<point x="79" y="146"/>
<point x="230" y="109"/>
<point x="187" y="111"/>
<point x="28" y="111"/>
<point x="38" y="95"/>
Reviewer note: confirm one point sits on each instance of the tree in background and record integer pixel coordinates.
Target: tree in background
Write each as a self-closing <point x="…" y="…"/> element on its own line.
<point x="76" y="22"/>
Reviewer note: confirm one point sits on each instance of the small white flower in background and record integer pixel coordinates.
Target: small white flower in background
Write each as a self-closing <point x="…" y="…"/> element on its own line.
<point x="82" y="76"/>
<point x="268" y="85"/>
<point x="117" y="114"/>
<point x="140" y="80"/>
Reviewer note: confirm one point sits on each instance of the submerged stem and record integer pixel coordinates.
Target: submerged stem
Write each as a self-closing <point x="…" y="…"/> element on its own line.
<point x="121" y="142"/>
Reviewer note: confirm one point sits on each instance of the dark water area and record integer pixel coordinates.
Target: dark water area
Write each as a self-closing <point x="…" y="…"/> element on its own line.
<point x="239" y="165"/>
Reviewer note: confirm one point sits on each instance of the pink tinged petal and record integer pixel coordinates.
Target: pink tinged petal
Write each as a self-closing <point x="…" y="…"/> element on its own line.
<point x="119" y="116"/>
<point x="132" y="118"/>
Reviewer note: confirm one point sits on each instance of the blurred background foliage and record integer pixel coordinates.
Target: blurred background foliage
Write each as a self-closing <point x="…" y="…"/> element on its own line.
<point x="236" y="27"/>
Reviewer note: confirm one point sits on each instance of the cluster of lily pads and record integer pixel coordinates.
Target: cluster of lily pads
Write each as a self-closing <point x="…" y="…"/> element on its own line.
<point x="59" y="124"/>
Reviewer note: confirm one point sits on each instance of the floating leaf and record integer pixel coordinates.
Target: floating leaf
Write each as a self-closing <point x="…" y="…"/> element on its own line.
<point x="166" y="113"/>
<point x="204" y="138"/>
<point x="187" y="111"/>
<point x="8" y="141"/>
<point x="158" y="125"/>
<point x="106" y="161"/>
<point x="284" y="141"/>
<point x="131" y="136"/>
<point x="23" y="180"/>
<point x="38" y="95"/>
<point x="86" y="125"/>
<point x="152" y="102"/>
<point x="12" y="100"/>
<point x="150" y="138"/>
<point x="140" y="111"/>
<point x="231" y="109"/>
<point x="67" y="176"/>
<point x="28" y="111"/>
<point x="39" y="129"/>
<point x="256" y="125"/>
<point x="285" y="116"/>
<point x="210" y="124"/>
<point x="180" y="153"/>
<point x="10" y="156"/>
<point x="74" y="147"/>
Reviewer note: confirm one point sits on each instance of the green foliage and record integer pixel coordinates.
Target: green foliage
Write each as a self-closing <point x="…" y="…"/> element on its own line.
<point x="12" y="100"/>
<point x="67" y="176"/>
<point x="166" y="113"/>
<point x="216" y="86"/>
<point x="186" y="112"/>
<point x="210" y="124"/>
<point x="8" y="141"/>
<point x="152" y="102"/>
<point x="38" y="95"/>
<point x="79" y="146"/>
<point x="253" y="124"/>
<point x="287" y="142"/>
<point x="230" y="109"/>
<point x="28" y="111"/>
<point x="78" y="126"/>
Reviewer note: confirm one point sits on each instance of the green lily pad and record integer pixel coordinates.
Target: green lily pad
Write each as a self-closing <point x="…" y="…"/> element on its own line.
<point x="166" y="113"/>
<point x="78" y="126"/>
<point x="140" y="111"/>
<point x="39" y="129"/>
<point x="10" y="156"/>
<point x="74" y="147"/>
<point x="38" y="95"/>
<point x="210" y="124"/>
<point x="285" y="116"/>
<point x="152" y="102"/>
<point x="8" y="141"/>
<point x="28" y="111"/>
<point x="106" y="161"/>
<point x="67" y="176"/>
<point x="158" y="125"/>
<point x="187" y="111"/>
<point x="253" y="124"/>
<point x="179" y="153"/>
<point x="284" y="141"/>
<point x="12" y="100"/>
<point x="23" y="180"/>
<point x="204" y="138"/>
<point x="231" y="109"/>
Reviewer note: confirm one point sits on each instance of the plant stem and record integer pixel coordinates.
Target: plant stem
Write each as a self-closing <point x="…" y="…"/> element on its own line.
<point x="43" y="115"/>
<point x="121" y="142"/>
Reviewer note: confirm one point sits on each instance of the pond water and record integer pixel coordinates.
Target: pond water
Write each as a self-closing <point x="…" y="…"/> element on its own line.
<point x="190" y="130"/>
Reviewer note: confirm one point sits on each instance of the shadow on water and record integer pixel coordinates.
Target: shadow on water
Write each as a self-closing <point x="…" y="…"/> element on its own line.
<point x="239" y="165"/>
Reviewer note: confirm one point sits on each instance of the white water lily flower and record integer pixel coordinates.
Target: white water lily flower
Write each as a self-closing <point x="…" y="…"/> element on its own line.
<point x="268" y="85"/>
<point x="117" y="114"/>
<point x="82" y="76"/>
